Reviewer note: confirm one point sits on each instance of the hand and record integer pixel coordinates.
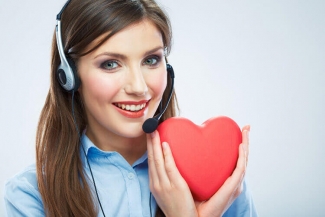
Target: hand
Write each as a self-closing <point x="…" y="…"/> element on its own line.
<point x="171" y="191"/>
<point x="218" y="204"/>
<point x="166" y="183"/>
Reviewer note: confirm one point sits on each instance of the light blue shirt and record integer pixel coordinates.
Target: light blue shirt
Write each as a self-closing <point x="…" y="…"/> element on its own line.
<point x="123" y="189"/>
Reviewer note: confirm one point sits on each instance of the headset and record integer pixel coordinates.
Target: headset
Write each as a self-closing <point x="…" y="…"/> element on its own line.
<point x="151" y="124"/>
<point x="67" y="77"/>
<point x="67" y="71"/>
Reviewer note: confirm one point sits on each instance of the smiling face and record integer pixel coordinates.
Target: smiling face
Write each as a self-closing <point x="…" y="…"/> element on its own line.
<point x="122" y="82"/>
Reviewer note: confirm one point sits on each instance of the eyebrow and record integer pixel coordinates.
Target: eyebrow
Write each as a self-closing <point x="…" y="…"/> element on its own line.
<point x="123" y="57"/>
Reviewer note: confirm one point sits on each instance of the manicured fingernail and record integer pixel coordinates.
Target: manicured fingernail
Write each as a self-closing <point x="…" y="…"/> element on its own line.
<point x="153" y="134"/>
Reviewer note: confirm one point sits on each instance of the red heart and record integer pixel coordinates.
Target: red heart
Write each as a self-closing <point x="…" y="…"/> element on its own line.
<point x="205" y="155"/>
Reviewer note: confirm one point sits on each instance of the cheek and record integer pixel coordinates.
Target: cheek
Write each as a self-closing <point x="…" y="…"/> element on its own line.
<point x="99" y="88"/>
<point x="157" y="82"/>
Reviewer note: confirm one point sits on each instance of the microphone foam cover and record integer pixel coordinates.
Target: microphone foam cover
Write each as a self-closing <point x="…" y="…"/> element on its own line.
<point x="150" y="125"/>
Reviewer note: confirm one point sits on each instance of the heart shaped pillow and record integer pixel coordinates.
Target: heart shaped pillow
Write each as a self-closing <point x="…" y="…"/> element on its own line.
<point x="205" y="155"/>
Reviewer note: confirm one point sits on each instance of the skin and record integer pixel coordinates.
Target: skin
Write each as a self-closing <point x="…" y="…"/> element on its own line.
<point x="173" y="194"/>
<point x="130" y="54"/>
<point x="124" y="68"/>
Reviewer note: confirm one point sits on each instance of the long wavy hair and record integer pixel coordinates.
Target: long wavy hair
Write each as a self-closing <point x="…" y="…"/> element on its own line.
<point x="62" y="181"/>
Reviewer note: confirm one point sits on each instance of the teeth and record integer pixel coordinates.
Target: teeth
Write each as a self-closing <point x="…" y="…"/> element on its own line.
<point x="131" y="107"/>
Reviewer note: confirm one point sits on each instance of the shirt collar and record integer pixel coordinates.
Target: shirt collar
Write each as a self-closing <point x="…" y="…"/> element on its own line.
<point x="141" y="160"/>
<point x="92" y="150"/>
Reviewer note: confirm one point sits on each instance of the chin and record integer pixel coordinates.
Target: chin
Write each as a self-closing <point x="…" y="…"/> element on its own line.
<point x="131" y="130"/>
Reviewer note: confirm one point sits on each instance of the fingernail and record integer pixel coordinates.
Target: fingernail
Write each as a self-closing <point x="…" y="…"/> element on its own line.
<point x="164" y="145"/>
<point x="247" y="134"/>
<point x="153" y="134"/>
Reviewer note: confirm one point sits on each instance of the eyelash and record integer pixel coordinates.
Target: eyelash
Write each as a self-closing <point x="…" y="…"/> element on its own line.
<point x="108" y="62"/>
<point x="157" y="58"/>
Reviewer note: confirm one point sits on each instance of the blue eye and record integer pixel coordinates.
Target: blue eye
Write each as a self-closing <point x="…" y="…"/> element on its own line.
<point x="151" y="61"/>
<point x="109" y="65"/>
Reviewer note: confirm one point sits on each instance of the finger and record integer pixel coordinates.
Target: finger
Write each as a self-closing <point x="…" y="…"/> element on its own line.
<point x="159" y="160"/>
<point x="171" y="170"/>
<point x="239" y="172"/>
<point x="246" y="127"/>
<point x="153" y="177"/>
<point x="245" y="137"/>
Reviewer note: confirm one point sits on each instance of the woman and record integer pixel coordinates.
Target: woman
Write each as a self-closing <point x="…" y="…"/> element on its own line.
<point x="93" y="158"/>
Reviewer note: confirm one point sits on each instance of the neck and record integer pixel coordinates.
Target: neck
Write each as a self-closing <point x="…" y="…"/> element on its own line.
<point x="130" y="148"/>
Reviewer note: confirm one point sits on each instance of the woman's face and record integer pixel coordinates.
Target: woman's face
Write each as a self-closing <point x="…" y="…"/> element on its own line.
<point x="122" y="82"/>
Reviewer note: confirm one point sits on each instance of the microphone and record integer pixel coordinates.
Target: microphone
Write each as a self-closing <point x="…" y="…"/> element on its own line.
<point x="151" y="124"/>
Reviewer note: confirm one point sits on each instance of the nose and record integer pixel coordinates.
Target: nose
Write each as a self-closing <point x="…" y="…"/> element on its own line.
<point x="136" y="83"/>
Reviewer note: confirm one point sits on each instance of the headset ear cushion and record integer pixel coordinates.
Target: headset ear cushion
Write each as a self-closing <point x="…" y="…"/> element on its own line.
<point x="62" y="78"/>
<point x="75" y="74"/>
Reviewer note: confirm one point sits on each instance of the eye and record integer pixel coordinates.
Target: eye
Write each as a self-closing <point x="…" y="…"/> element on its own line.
<point x="151" y="61"/>
<point x="109" y="65"/>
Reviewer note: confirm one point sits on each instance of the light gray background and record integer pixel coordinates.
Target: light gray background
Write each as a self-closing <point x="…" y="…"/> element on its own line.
<point x="258" y="62"/>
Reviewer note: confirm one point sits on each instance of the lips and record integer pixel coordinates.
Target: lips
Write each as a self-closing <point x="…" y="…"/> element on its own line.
<point x="131" y="109"/>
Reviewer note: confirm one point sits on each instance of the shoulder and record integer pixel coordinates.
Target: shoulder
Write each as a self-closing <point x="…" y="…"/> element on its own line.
<point x="22" y="197"/>
<point x="25" y="181"/>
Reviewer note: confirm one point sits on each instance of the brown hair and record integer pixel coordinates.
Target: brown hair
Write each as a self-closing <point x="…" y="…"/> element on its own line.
<point x="61" y="178"/>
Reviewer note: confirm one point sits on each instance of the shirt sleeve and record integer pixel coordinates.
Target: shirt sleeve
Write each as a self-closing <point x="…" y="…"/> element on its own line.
<point x="243" y="206"/>
<point x="22" y="197"/>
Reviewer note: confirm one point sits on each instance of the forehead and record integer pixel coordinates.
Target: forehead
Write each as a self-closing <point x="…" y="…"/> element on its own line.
<point x="132" y="40"/>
